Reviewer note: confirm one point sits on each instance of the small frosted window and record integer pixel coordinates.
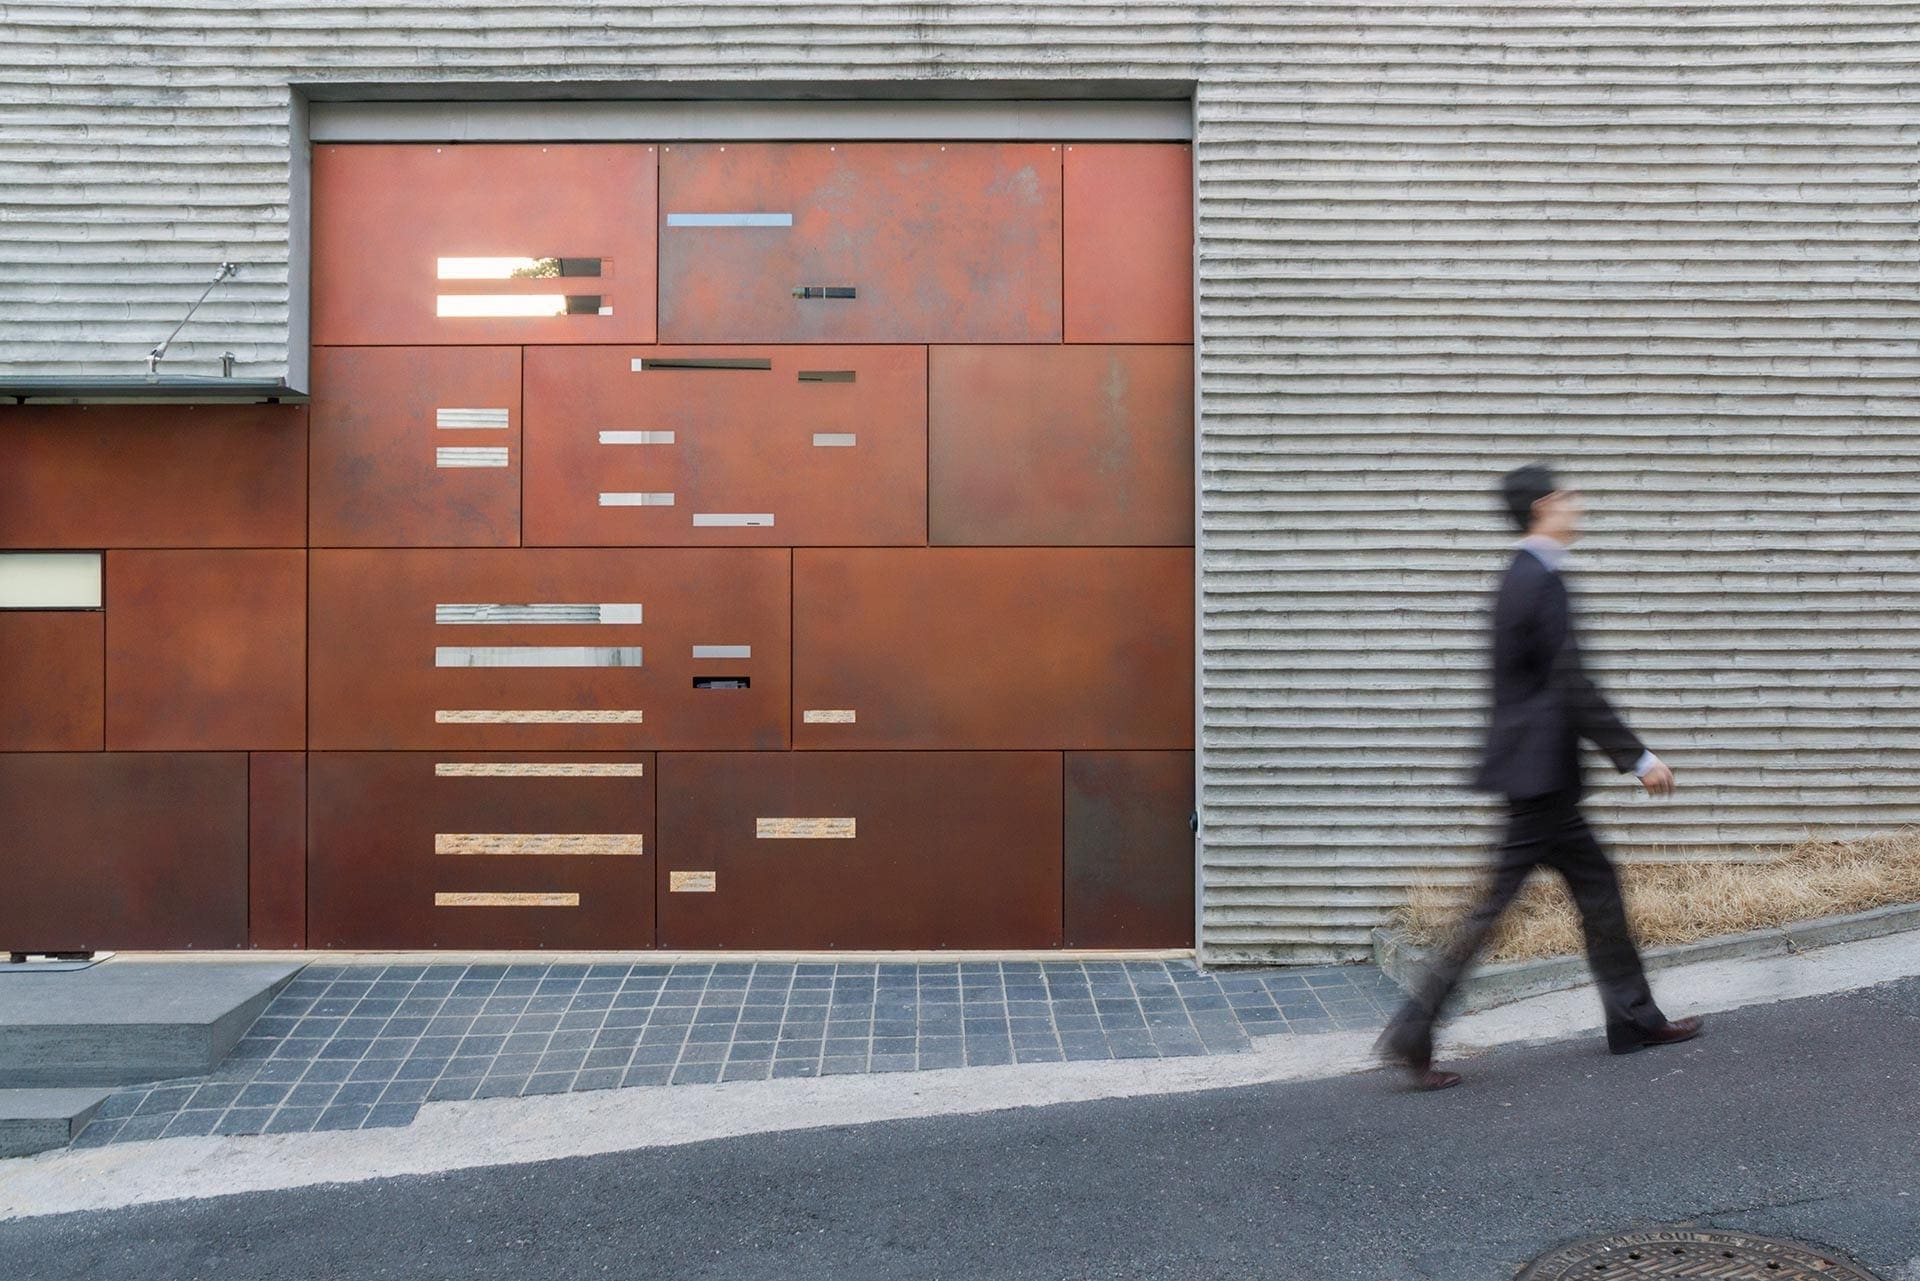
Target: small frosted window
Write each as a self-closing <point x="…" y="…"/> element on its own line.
<point x="49" y="580"/>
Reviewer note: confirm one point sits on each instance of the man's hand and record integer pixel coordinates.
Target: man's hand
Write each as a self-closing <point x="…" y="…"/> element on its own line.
<point x="1658" y="780"/>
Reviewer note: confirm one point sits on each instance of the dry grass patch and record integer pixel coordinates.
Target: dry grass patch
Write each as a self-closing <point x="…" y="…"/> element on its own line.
<point x="1683" y="902"/>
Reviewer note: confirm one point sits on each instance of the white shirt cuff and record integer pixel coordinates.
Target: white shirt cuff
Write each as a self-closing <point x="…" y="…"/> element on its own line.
<point x="1646" y="762"/>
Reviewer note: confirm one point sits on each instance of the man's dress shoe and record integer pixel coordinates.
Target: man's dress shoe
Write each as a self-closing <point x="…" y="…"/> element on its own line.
<point x="1625" y="1040"/>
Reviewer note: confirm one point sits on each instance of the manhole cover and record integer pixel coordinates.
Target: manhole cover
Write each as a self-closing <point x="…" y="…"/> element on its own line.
<point x="1695" y="1254"/>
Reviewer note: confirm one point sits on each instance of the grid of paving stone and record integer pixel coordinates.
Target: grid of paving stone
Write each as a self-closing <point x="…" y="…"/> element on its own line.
<point x="356" y="1046"/>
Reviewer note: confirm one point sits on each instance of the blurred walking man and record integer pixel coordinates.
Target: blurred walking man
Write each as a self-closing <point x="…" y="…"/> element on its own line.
<point x="1543" y="705"/>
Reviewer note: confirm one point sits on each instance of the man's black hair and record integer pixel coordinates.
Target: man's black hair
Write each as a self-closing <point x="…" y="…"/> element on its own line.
<point x="1524" y="486"/>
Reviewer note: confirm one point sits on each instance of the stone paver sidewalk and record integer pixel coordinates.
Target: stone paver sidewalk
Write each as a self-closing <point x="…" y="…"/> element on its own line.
<point x="349" y="1046"/>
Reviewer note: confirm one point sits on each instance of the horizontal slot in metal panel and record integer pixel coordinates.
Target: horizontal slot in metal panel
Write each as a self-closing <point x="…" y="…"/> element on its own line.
<point x="825" y="291"/>
<point x="470" y="456"/>
<point x="466" y="899"/>
<point x="723" y="651"/>
<point x="692" y="882"/>
<point x="636" y="438"/>
<point x="540" y="769"/>
<point x="537" y="615"/>
<point x="828" y="716"/>
<point x="835" y="439"/>
<point x="729" y="220"/>
<point x="750" y="520"/>
<point x="537" y="656"/>
<point x="827" y="375"/>
<point x="545" y="268"/>
<point x="555" y="844"/>
<point x="469" y="419"/>
<point x="483" y="306"/>
<point x="538" y="716"/>
<point x="50" y="580"/>
<point x="646" y="363"/>
<point x="804" y="829"/>
<point x="636" y="500"/>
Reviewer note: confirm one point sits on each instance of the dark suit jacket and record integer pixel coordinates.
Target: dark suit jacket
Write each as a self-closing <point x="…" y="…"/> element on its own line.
<point x="1543" y="701"/>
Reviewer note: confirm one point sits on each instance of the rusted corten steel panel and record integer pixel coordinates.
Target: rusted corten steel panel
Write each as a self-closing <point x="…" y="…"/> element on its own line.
<point x="154" y="476"/>
<point x="206" y="650"/>
<point x="582" y="648"/>
<point x="416" y="447"/>
<point x="756" y="445"/>
<point x="1062" y="446"/>
<point x="419" y="849"/>
<point x="277" y="849"/>
<point x="408" y="240"/>
<point x="1129" y="849"/>
<point x="981" y="647"/>
<point x="1129" y="242"/>
<point x="887" y="242"/>
<point x="123" y="850"/>
<point x="860" y="849"/>
<point x="52" y="680"/>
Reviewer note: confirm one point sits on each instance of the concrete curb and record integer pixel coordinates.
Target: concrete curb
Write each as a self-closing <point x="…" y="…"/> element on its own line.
<point x="1409" y="964"/>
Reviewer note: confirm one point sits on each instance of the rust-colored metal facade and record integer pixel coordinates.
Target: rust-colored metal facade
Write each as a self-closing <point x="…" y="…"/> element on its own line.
<point x="849" y="605"/>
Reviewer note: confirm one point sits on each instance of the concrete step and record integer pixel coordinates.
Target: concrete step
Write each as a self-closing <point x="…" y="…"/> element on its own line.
<point x="130" y="1019"/>
<point x="36" y="1120"/>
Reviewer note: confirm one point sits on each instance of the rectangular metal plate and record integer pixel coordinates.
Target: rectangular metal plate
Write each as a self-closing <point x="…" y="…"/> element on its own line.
<point x="1130" y="849"/>
<point x="958" y="849"/>
<point x="1061" y="446"/>
<point x="277" y="849"/>
<point x="153" y="476"/>
<point x="123" y="850"/>
<point x="1129" y="242"/>
<point x="384" y="216"/>
<point x="935" y="243"/>
<point x="743" y="448"/>
<point x="976" y="647"/>
<point x="375" y="685"/>
<point x="393" y="449"/>
<point x="206" y="650"/>
<point x="53" y="682"/>
<point x="393" y="834"/>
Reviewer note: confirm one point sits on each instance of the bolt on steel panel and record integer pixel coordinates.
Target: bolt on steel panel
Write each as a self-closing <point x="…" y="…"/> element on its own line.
<point x="153" y="476"/>
<point x="206" y="650"/>
<point x="119" y="850"/>
<point x="830" y="444"/>
<point x="477" y="243"/>
<point x="52" y="680"/>
<point x="277" y="849"/>
<point x="1130" y="849"/>
<point x="557" y="649"/>
<point x="1129" y="242"/>
<point x="1061" y="446"/>
<point x="860" y="849"/>
<point x="860" y="242"/>
<point x="416" y="447"/>
<point x="979" y="647"/>
<point x="452" y="849"/>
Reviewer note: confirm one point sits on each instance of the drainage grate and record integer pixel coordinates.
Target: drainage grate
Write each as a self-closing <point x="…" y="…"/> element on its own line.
<point x="1697" y="1254"/>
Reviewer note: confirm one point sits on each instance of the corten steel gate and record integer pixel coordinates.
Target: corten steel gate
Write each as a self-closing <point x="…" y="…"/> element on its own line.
<point x="711" y="546"/>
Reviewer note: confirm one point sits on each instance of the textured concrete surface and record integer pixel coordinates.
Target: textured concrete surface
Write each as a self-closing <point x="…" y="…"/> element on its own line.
<point x="130" y="1020"/>
<point x="1794" y="1119"/>
<point x="36" y="1120"/>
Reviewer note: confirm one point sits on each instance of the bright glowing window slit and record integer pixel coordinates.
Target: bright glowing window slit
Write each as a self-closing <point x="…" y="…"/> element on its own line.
<point x="636" y="500"/>
<point x="470" y="456"/>
<point x="469" y="419"/>
<point x="491" y="615"/>
<point x="636" y="438"/>
<point x="556" y="844"/>
<point x="540" y="769"/>
<point x="538" y="716"/>
<point x="537" y="656"/>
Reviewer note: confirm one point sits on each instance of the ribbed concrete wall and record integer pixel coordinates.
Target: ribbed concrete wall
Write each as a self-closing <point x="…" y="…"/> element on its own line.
<point x="1670" y="245"/>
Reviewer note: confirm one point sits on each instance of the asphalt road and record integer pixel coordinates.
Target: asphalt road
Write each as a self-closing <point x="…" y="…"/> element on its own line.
<point x="1800" y="1119"/>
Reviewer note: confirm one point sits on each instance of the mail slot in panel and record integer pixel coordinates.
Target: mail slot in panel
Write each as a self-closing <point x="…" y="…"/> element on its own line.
<point x="547" y="648"/>
<point x="483" y="243"/>
<point x="1062" y="446"/>
<point x="123" y="850"/>
<point x="860" y="242"/>
<point x="416" y="447"/>
<point x="979" y="647"/>
<point x="767" y="446"/>
<point x="1129" y="242"/>
<point x="1129" y="880"/>
<point x="450" y="849"/>
<point x="860" y="849"/>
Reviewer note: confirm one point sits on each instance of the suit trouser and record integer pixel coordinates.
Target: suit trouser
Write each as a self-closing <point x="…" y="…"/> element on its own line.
<point x="1551" y="831"/>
